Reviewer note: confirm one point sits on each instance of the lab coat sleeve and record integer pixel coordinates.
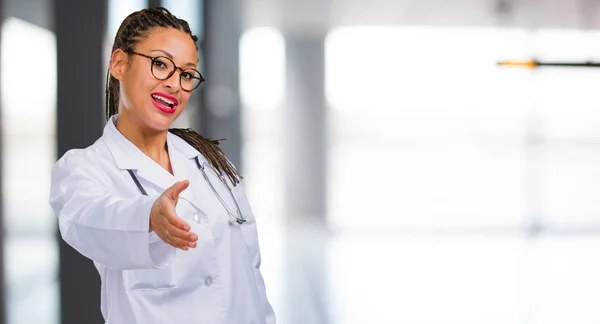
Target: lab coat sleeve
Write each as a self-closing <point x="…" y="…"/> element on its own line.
<point x="256" y="258"/>
<point x="110" y="230"/>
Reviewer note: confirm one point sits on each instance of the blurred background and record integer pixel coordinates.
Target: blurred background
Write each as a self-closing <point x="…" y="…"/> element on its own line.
<point x="398" y="174"/>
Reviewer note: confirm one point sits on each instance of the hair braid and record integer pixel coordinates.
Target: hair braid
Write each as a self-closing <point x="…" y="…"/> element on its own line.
<point x="211" y="151"/>
<point x="135" y="28"/>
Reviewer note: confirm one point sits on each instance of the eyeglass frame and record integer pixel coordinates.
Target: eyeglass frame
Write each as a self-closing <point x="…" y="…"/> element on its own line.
<point x="153" y="58"/>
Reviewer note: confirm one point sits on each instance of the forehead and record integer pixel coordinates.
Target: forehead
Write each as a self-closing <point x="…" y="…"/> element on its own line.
<point x="178" y="43"/>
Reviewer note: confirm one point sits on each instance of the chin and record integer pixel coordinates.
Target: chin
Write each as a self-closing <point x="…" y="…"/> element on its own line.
<point x="160" y="123"/>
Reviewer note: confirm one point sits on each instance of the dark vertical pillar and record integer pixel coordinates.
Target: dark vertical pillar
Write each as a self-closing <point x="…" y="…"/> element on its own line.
<point x="154" y="3"/>
<point x="220" y="107"/>
<point x="80" y="28"/>
<point x="305" y="123"/>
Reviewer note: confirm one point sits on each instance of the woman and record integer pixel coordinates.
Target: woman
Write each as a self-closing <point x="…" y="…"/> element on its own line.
<point x="160" y="211"/>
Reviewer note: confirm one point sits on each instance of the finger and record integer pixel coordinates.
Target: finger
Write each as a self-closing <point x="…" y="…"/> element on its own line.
<point x="178" y="242"/>
<point x="182" y="239"/>
<point x="187" y="236"/>
<point x="174" y="190"/>
<point x="169" y="213"/>
<point x="170" y="236"/>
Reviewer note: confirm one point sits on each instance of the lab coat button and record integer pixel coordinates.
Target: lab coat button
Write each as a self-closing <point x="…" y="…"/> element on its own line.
<point x="197" y="219"/>
<point x="208" y="281"/>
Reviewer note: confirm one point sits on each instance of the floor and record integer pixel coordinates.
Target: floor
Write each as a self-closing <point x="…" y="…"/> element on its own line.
<point x="342" y="278"/>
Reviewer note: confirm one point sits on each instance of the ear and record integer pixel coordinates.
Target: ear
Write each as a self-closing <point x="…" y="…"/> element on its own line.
<point x="118" y="64"/>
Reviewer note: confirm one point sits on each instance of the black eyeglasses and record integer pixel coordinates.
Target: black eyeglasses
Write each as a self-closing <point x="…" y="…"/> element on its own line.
<point x="163" y="68"/>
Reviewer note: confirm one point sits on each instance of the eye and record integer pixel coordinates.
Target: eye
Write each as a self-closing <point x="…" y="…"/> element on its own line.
<point x="159" y="63"/>
<point x="187" y="75"/>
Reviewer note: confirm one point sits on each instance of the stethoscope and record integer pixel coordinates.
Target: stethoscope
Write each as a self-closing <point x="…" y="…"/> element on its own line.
<point x="233" y="218"/>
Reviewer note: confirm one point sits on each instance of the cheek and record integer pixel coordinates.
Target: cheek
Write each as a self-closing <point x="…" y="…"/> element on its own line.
<point x="141" y="80"/>
<point x="136" y="90"/>
<point x="183" y="100"/>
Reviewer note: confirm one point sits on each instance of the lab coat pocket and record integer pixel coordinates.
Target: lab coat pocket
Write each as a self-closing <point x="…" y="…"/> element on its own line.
<point x="150" y="279"/>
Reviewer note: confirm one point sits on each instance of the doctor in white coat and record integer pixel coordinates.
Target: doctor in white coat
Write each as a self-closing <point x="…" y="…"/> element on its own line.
<point x="162" y="213"/>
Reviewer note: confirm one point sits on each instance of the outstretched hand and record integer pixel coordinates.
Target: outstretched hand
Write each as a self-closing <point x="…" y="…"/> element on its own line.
<point x="165" y="222"/>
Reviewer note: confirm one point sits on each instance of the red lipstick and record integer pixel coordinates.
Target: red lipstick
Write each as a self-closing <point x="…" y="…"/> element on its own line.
<point x="164" y="102"/>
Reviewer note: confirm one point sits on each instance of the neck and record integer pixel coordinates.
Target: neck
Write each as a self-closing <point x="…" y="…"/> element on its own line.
<point x="150" y="142"/>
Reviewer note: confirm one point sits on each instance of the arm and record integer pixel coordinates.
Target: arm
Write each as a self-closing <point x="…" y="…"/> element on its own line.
<point x="111" y="230"/>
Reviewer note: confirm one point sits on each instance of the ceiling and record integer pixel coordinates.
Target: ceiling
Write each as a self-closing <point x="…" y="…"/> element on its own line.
<point x="314" y="15"/>
<point x="306" y="16"/>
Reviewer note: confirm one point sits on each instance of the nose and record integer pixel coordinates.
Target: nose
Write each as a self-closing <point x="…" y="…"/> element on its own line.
<point x="173" y="81"/>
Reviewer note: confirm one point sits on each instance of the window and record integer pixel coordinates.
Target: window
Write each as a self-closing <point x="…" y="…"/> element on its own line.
<point x="262" y="86"/>
<point x="428" y="133"/>
<point x="28" y="154"/>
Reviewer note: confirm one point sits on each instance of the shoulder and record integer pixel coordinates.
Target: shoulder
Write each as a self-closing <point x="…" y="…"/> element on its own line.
<point x="181" y="141"/>
<point x="83" y="159"/>
<point x="88" y="154"/>
<point x="79" y="172"/>
<point x="193" y="145"/>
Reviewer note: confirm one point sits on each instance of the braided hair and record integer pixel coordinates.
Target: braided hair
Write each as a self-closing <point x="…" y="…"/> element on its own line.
<point x="134" y="29"/>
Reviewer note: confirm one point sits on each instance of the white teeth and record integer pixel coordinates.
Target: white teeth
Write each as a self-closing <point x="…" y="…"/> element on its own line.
<point x="163" y="99"/>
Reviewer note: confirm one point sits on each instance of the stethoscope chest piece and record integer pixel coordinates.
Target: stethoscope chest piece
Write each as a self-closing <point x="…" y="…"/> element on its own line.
<point x="235" y="220"/>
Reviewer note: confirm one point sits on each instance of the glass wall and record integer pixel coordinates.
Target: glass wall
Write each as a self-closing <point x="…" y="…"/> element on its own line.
<point x="262" y="86"/>
<point x="444" y="139"/>
<point x="443" y="164"/>
<point x="28" y="66"/>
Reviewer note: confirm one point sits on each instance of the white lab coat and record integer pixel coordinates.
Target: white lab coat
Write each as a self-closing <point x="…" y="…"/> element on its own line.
<point x="104" y="216"/>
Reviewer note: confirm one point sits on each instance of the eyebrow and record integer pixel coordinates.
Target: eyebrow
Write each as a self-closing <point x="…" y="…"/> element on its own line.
<point x="171" y="57"/>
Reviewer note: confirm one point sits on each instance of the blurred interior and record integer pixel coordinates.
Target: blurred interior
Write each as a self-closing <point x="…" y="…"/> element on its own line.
<point x="398" y="174"/>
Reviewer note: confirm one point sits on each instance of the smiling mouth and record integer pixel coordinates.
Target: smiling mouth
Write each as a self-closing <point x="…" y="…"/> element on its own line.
<point x="164" y="101"/>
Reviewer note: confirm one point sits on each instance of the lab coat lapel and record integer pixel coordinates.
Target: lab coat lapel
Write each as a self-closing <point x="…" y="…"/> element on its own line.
<point x="127" y="156"/>
<point x="155" y="174"/>
<point x="184" y="166"/>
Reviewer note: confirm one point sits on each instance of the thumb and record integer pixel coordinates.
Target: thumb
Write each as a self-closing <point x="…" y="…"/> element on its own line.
<point x="174" y="190"/>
